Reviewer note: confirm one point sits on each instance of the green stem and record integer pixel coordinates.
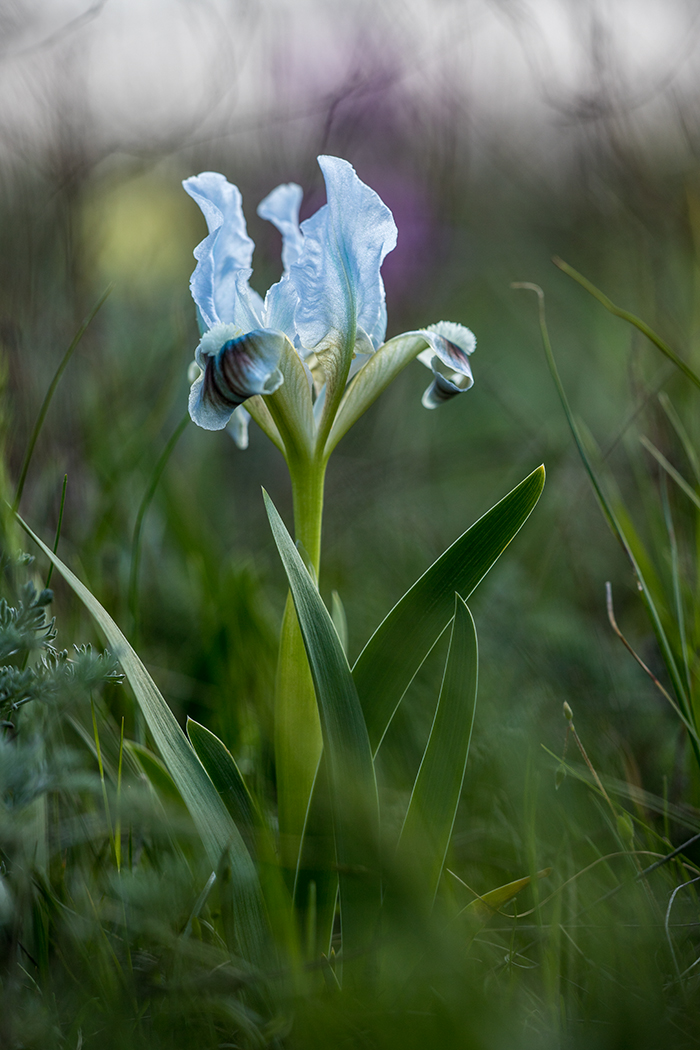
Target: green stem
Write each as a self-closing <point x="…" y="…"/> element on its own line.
<point x="308" y="479"/>
<point x="298" y="741"/>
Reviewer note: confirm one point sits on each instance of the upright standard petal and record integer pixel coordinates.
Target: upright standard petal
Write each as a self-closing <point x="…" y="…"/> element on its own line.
<point x="233" y="368"/>
<point x="281" y="208"/>
<point x="279" y="307"/>
<point x="449" y="344"/>
<point x="337" y="276"/>
<point x="224" y="253"/>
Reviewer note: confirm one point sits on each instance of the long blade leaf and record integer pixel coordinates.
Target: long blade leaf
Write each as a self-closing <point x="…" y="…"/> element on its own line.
<point x="352" y="785"/>
<point x="218" y="832"/>
<point x="388" y="663"/>
<point x="226" y="778"/>
<point x="427" y="828"/>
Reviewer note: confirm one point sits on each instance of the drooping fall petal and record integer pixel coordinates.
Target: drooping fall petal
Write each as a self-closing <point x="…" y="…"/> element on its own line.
<point x="444" y="342"/>
<point x="449" y="344"/>
<point x="232" y="370"/>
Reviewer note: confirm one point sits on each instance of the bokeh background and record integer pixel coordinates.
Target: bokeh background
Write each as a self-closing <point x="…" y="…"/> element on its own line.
<point x="500" y="132"/>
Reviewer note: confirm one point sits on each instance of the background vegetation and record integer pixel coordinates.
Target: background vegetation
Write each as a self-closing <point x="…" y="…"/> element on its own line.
<point x="193" y="577"/>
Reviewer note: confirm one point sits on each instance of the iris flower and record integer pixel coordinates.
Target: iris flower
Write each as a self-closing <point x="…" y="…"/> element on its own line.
<point x="304" y="362"/>
<point x="307" y="360"/>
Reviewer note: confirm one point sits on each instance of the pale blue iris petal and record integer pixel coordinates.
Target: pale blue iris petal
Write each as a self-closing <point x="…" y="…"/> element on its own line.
<point x="364" y="349"/>
<point x="450" y="344"/>
<point x="227" y="250"/>
<point x="379" y="333"/>
<point x="238" y="427"/>
<point x="441" y="389"/>
<point x="232" y="372"/>
<point x="337" y="276"/>
<point x="457" y="335"/>
<point x="281" y="208"/>
<point x="280" y="305"/>
<point x="249" y="311"/>
<point x="212" y="340"/>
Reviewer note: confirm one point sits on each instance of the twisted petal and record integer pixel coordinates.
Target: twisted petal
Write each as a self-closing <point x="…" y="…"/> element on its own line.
<point x="281" y="208"/>
<point x="222" y="255"/>
<point x="234" y="368"/>
<point x="337" y="275"/>
<point x="449" y="344"/>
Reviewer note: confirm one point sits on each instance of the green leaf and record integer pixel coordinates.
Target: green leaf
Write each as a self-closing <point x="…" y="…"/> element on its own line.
<point x="388" y="663"/>
<point x="427" y="829"/>
<point x="486" y="906"/>
<point x="228" y="781"/>
<point x="155" y="772"/>
<point x="352" y="785"/>
<point x="226" y="778"/>
<point x="339" y="619"/>
<point x="671" y="471"/>
<point x="218" y="832"/>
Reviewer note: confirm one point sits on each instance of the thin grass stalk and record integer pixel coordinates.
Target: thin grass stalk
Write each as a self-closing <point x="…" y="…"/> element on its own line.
<point x="51" y="391"/>
<point x="615" y="527"/>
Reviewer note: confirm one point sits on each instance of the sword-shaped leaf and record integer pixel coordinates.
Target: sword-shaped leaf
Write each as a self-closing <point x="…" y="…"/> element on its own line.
<point x="352" y="785"/>
<point x="427" y="829"/>
<point x="227" y="779"/>
<point x="388" y="663"/>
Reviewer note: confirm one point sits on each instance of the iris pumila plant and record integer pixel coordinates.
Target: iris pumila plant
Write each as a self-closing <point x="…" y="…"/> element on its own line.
<point x="304" y="362"/>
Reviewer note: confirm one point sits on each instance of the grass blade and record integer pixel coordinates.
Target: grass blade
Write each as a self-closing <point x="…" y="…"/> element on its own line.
<point x="671" y="471"/>
<point x="486" y="906"/>
<point x="618" y="532"/>
<point x="58" y="528"/>
<point x="339" y="618"/>
<point x="388" y="663"/>
<point x="427" y="829"/>
<point x="630" y="318"/>
<point x="681" y="433"/>
<point x="218" y="832"/>
<point x="51" y="391"/>
<point x="143" y="510"/>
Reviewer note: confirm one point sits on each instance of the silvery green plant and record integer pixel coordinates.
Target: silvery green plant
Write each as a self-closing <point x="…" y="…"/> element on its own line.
<point x="305" y="363"/>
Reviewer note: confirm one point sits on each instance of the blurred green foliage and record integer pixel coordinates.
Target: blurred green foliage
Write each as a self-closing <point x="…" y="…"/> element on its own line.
<point x="105" y="961"/>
